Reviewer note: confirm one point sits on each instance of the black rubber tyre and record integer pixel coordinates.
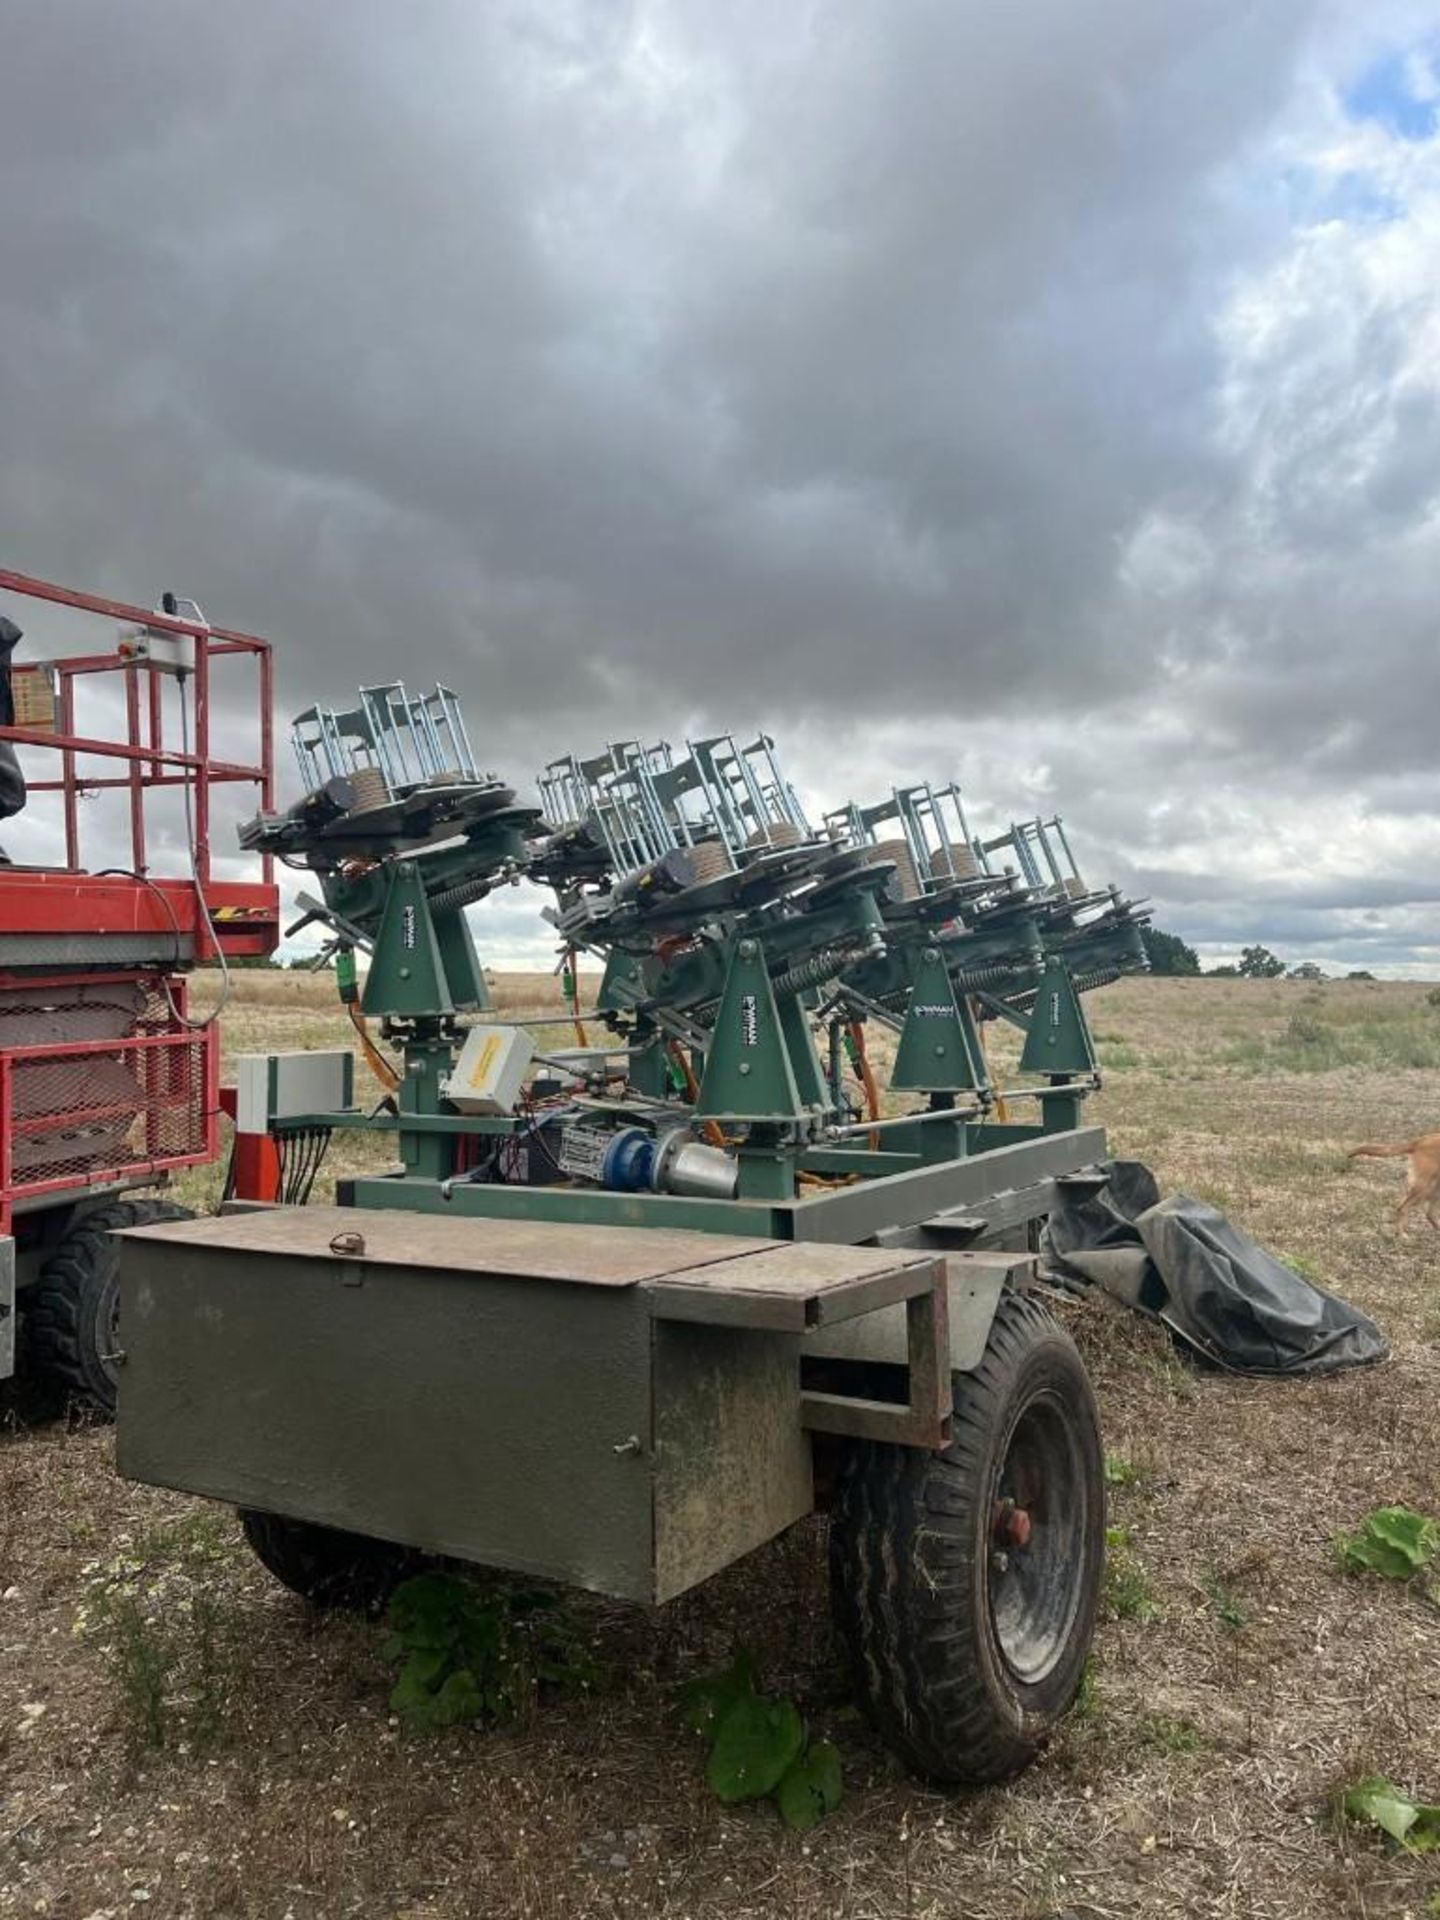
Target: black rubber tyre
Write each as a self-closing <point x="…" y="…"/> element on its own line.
<point x="967" y="1646"/>
<point x="328" y="1567"/>
<point x="72" y="1314"/>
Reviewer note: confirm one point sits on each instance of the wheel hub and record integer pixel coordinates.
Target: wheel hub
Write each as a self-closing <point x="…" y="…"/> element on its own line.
<point x="1010" y="1526"/>
<point x="1036" y="1540"/>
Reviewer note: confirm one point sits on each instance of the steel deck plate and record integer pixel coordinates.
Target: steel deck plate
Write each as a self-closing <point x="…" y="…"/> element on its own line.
<point x="701" y="1275"/>
<point x="521" y="1249"/>
<point x="791" y="1287"/>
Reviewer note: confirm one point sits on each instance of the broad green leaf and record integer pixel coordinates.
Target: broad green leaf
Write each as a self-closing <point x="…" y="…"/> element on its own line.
<point x="707" y="1701"/>
<point x="458" y="1700"/>
<point x="1382" y="1805"/>
<point x="468" y="1651"/>
<point x="1362" y="1555"/>
<point x="1395" y="1542"/>
<point x="755" y="1745"/>
<point x="811" y="1788"/>
<point x="1410" y="1823"/>
<point x="426" y="1667"/>
<point x="427" y="1608"/>
<point x="411" y="1694"/>
<point x="1408" y="1532"/>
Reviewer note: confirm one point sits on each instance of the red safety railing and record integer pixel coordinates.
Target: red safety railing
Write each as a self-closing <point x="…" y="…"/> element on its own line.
<point x="104" y="1081"/>
<point x="120" y="1110"/>
<point x="150" y="762"/>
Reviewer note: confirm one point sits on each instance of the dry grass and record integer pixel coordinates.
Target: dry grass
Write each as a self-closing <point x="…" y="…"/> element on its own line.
<point x="1194" y="1780"/>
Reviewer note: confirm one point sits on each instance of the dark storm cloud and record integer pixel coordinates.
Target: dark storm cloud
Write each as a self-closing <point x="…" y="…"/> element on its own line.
<point x="857" y="329"/>
<point x="620" y="362"/>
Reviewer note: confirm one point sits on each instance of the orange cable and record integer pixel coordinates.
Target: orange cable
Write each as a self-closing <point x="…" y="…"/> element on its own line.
<point x="374" y="1059"/>
<point x="678" y="1054"/>
<point x="572" y="975"/>
<point x="1002" y="1108"/>
<point x="867" y="1080"/>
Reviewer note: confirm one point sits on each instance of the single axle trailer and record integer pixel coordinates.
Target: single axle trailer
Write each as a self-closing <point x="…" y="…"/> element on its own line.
<point x="629" y="1409"/>
<point x="618" y="1317"/>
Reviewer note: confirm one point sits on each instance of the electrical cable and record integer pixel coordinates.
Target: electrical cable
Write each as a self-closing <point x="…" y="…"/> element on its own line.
<point x="867" y="1080"/>
<point x="300" y="1153"/>
<point x="714" y="1133"/>
<point x="384" y="1072"/>
<point x="571" y="989"/>
<point x="536" y="1132"/>
<point x="1002" y="1105"/>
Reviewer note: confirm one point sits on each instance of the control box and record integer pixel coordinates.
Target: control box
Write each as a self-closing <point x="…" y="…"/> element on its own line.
<point x="491" y="1070"/>
<point x="282" y="1086"/>
<point x="160" y="646"/>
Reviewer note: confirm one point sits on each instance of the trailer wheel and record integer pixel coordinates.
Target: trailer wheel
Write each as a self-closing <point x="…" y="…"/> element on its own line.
<point x="965" y="1583"/>
<point x="72" y="1315"/>
<point x="328" y="1567"/>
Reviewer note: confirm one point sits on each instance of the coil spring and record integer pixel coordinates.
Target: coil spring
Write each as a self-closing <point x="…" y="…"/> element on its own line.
<point x="463" y="895"/>
<point x="813" y="972"/>
<point x="978" y="979"/>
<point x="1082" y="983"/>
<point x="1100" y="977"/>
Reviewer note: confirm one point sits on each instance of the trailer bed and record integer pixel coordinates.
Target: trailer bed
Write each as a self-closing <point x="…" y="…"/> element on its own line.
<point x="621" y="1409"/>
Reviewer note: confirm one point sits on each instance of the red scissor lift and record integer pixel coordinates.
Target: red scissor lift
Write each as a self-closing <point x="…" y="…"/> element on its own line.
<point x="107" y="1085"/>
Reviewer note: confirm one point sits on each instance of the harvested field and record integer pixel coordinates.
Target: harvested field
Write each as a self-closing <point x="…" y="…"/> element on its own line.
<point x="238" y="1758"/>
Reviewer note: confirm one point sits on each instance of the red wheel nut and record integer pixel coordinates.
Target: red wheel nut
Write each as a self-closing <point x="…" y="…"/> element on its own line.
<point x="1010" y="1525"/>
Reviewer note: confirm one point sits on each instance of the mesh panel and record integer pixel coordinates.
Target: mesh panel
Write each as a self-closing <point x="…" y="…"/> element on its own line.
<point x="135" y="1096"/>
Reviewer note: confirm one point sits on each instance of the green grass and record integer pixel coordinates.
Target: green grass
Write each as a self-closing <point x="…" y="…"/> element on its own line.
<point x="1226" y="1603"/>
<point x="1127" y="1594"/>
<point x="1117" y="1056"/>
<point x="1324" y="1032"/>
<point x="170" y="1640"/>
<point x="1122" y="1472"/>
<point x="1170" y="1733"/>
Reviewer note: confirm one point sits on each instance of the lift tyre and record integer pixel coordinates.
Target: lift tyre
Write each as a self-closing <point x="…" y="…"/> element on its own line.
<point x="965" y="1583"/>
<point x="72" y="1316"/>
<point x="328" y="1567"/>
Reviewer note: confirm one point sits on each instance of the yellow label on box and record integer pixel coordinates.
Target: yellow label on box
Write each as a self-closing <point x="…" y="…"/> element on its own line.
<point x="480" y="1073"/>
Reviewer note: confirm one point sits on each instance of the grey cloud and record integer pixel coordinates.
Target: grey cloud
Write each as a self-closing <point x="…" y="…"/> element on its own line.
<point x="799" y="365"/>
<point x="1315" y="896"/>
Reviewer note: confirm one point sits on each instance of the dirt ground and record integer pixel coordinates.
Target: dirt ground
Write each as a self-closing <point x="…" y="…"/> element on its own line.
<point x="1238" y="1678"/>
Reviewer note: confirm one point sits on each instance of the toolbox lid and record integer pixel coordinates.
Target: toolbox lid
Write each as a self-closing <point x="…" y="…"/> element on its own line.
<point x="690" y="1276"/>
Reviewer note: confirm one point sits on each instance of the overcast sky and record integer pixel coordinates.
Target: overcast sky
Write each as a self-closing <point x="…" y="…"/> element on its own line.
<point x="1046" y="397"/>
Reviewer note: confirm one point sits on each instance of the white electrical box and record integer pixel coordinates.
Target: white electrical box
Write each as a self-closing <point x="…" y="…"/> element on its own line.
<point x="490" y="1071"/>
<point x="282" y="1086"/>
<point x="172" y="652"/>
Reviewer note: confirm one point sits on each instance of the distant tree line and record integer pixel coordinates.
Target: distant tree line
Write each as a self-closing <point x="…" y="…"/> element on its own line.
<point x="1169" y="954"/>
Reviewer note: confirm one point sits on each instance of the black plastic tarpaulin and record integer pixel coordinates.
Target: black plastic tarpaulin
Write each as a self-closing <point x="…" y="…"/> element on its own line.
<point x="1216" y="1289"/>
